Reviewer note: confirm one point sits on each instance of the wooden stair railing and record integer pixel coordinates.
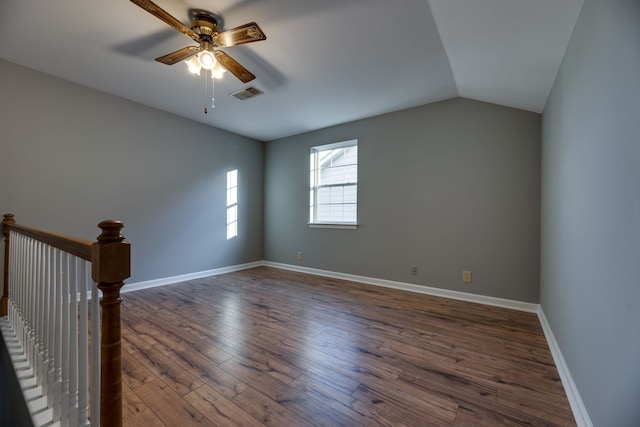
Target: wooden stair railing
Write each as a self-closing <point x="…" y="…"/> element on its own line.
<point x="110" y="266"/>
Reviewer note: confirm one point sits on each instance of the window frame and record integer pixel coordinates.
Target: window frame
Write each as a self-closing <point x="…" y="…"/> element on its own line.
<point x="314" y="171"/>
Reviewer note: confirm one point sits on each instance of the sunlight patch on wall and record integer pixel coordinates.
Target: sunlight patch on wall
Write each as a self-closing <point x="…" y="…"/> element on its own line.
<point x="232" y="204"/>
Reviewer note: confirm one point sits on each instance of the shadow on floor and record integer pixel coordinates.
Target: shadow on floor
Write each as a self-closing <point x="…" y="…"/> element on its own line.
<point x="13" y="410"/>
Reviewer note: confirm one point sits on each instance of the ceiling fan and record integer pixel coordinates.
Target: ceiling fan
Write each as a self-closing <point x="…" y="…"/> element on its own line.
<point x="204" y="30"/>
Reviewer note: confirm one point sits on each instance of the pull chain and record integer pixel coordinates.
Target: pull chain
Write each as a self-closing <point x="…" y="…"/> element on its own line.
<point x="213" y="100"/>
<point x="206" y="87"/>
<point x="205" y="91"/>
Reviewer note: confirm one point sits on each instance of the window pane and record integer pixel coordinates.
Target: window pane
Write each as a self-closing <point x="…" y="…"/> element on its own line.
<point x="350" y="194"/>
<point x="351" y="155"/>
<point x="351" y="173"/>
<point x="337" y="157"/>
<point x="323" y="213"/>
<point x="336" y="195"/>
<point x="333" y="174"/>
<point x="350" y="212"/>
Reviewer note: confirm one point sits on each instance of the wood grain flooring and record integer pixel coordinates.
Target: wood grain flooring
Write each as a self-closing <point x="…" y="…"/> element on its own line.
<point x="269" y="347"/>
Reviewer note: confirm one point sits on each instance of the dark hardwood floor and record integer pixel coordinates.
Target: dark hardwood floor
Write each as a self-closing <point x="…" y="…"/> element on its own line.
<point x="269" y="347"/>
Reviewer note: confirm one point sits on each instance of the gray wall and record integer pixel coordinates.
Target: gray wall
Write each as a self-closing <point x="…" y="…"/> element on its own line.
<point x="71" y="156"/>
<point x="449" y="186"/>
<point x="590" y="273"/>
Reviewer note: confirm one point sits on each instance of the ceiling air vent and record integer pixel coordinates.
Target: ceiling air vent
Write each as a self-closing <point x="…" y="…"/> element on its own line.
<point x="246" y="93"/>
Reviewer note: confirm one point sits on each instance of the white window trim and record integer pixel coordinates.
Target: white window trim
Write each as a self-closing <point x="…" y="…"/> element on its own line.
<point x="349" y="226"/>
<point x="336" y="225"/>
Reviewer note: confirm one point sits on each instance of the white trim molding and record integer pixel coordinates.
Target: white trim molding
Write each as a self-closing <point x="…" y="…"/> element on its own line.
<point x="421" y="289"/>
<point x="130" y="287"/>
<point x="577" y="405"/>
<point x="462" y="296"/>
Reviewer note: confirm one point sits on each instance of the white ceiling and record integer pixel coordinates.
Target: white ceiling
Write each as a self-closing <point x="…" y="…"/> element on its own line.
<point x="324" y="62"/>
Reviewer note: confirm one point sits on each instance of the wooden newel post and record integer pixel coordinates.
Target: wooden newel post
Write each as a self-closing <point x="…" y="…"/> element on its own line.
<point x="8" y="219"/>
<point x="110" y="267"/>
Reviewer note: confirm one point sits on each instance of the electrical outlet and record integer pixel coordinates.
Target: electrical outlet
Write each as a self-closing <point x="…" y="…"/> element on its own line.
<point x="413" y="269"/>
<point x="299" y="254"/>
<point x="466" y="276"/>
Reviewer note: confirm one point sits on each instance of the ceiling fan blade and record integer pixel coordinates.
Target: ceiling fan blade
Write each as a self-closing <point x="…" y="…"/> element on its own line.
<point x="165" y="16"/>
<point x="234" y="67"/>
<point x="246" y="33"/>
<point x="178" y="55"/>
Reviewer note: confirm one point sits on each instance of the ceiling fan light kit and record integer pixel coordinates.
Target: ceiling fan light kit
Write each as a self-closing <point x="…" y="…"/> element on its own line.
<point x="204" y="30"/>
<point x="205" y="60"/>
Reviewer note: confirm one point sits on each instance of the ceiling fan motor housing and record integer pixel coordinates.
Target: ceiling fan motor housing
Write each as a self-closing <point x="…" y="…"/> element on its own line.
<point x="205" y="26"/>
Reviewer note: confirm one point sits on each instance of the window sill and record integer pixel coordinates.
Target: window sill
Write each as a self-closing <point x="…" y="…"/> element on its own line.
<point x="328" y="225"/>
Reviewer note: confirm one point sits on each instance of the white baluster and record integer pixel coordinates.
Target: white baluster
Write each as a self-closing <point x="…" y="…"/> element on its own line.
<point x="57" y="399"/>
<point x="65" y="339"/>
<point x="24" y="303"/>
<point x="95" y="355"/>
<point x="45" y="320"/>
<point x="13" y="267"/>
<point x="27" y="303"/>
<point x="52" y="326"/>
<point x="32" y="304"/>
<point x="37" y="324"/>
<point x="83" y="346"/>
<point x="35" y="266"/>
<point x="73" y="341"/>
<point x="17" y="289"/>
<point x="23" y="295"/>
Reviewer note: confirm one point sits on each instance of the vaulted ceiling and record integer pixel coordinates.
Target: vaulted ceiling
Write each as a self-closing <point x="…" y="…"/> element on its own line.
<point x="324" y="62"/>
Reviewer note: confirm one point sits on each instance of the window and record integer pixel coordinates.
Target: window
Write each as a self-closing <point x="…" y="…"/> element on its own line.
<point x="232" y="204"/>
<point x="334" y="185"/>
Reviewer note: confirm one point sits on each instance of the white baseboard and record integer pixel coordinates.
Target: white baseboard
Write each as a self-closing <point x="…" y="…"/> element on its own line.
<point x="577" y="405"/>
<point x="130" y="287"/>
<point x="462" y="296"/>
